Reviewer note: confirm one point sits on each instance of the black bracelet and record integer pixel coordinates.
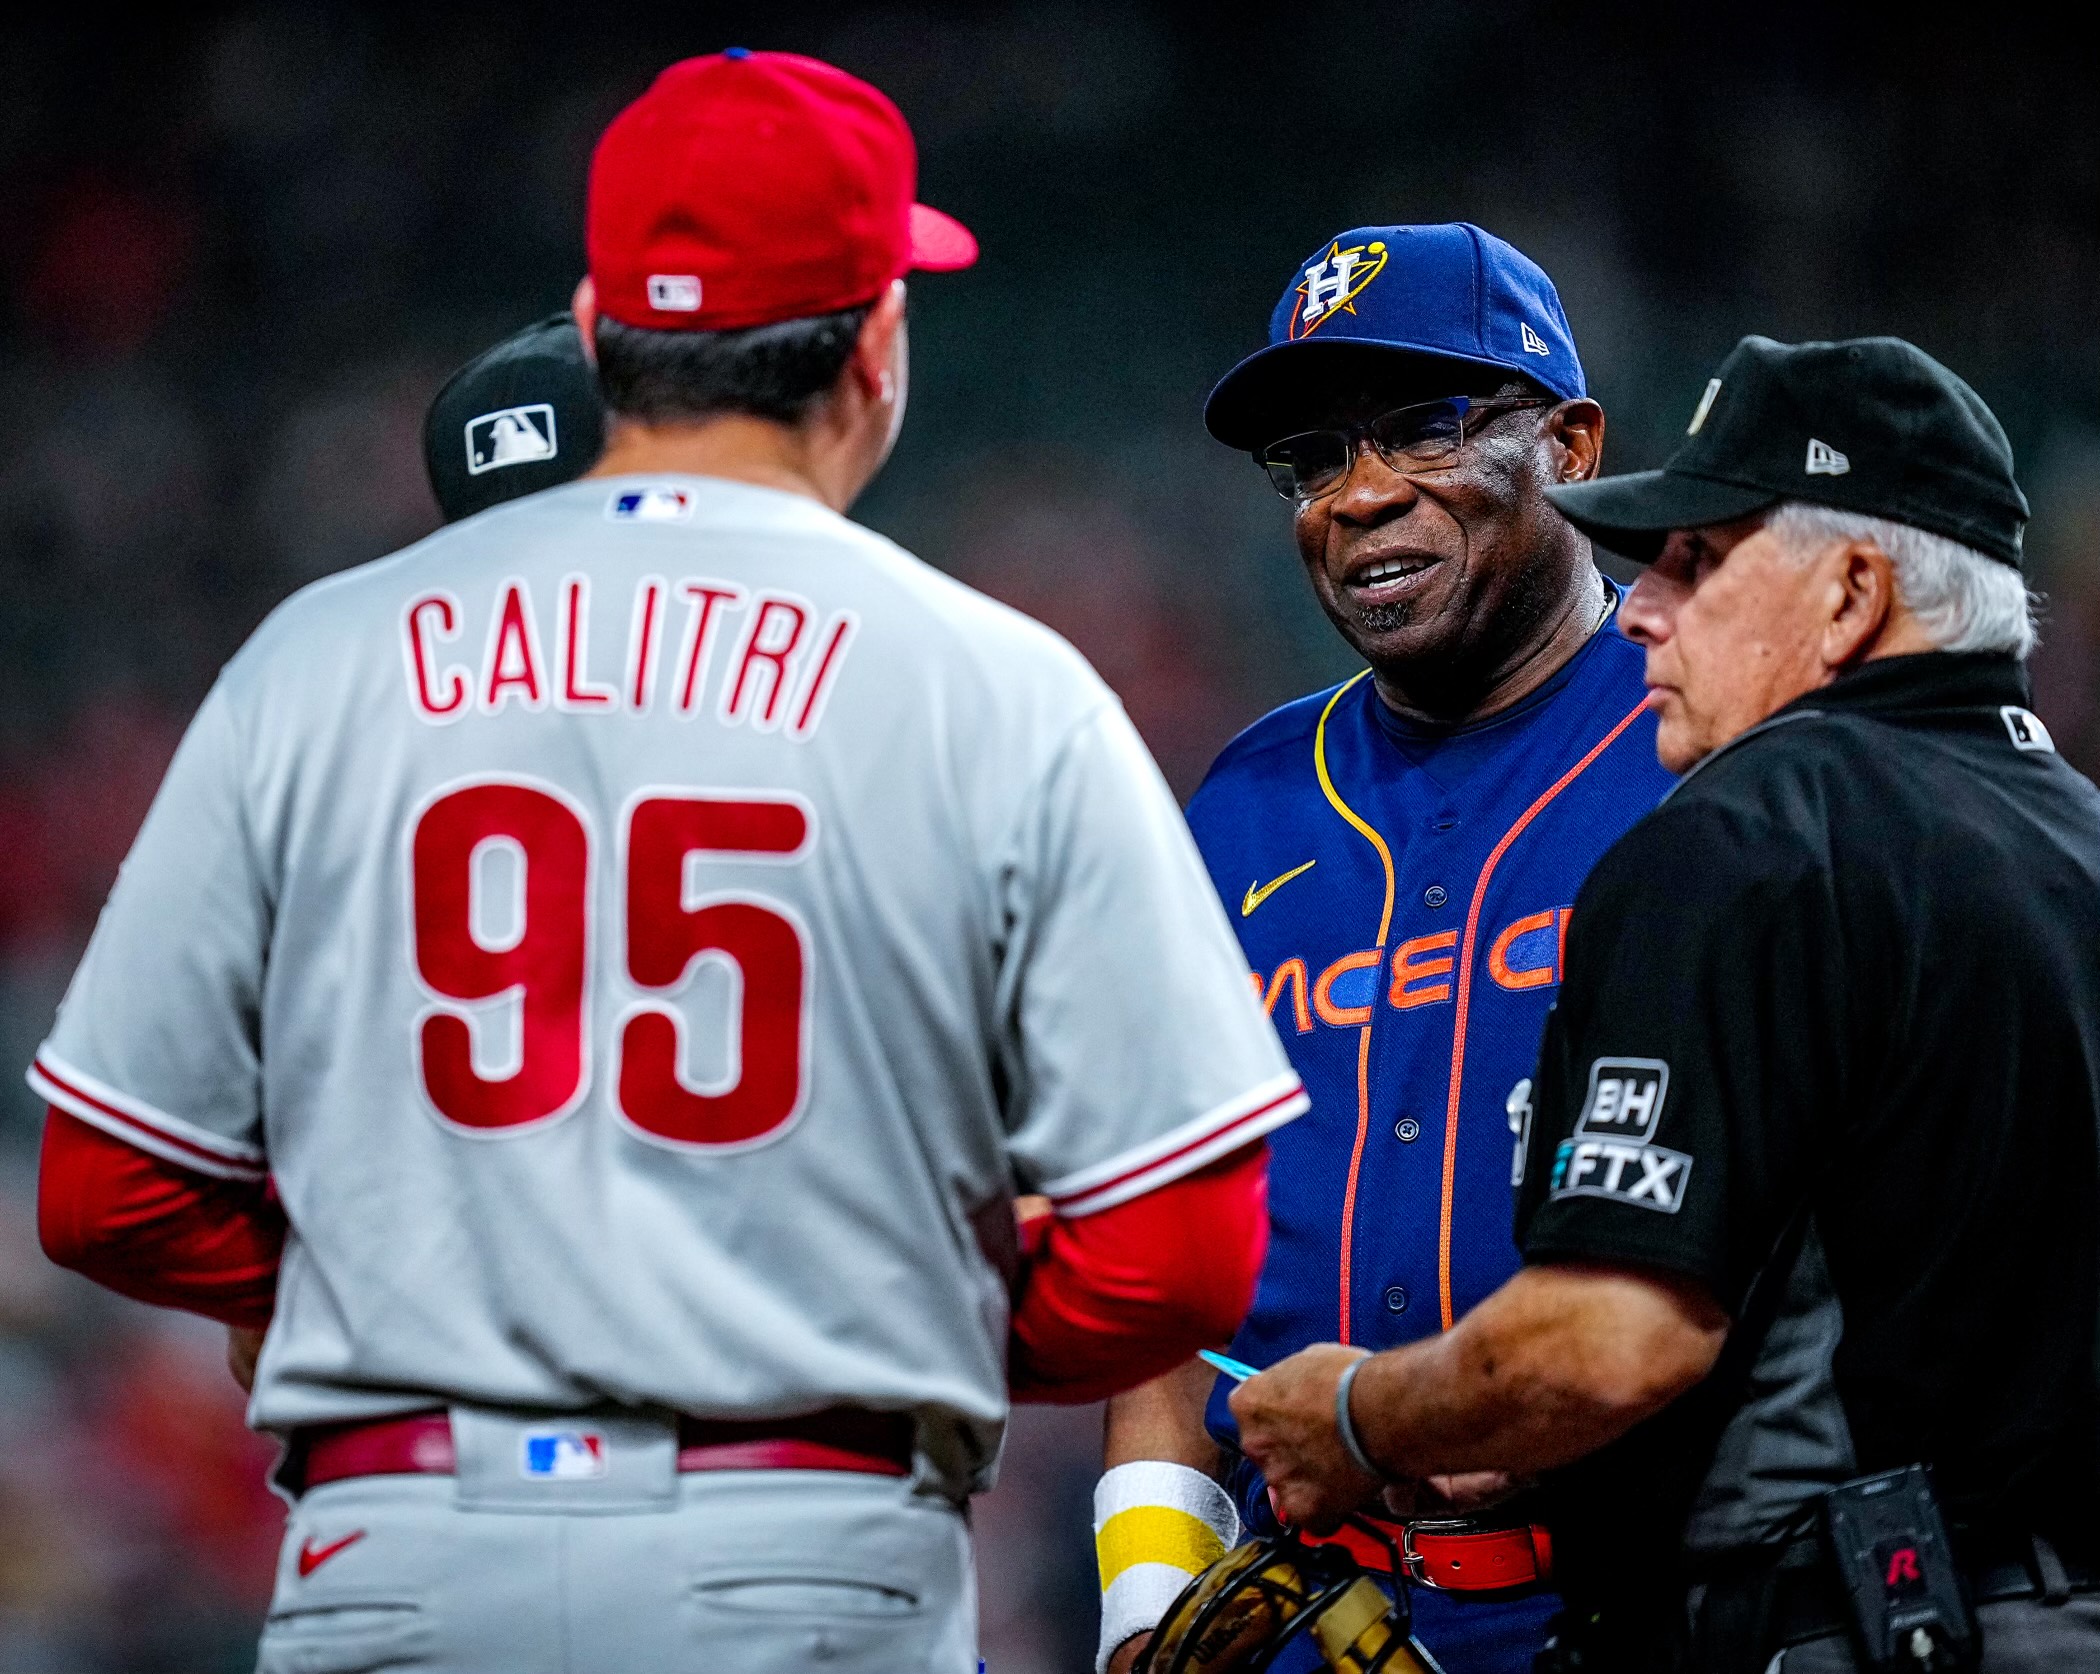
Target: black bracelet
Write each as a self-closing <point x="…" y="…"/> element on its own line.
<point x="1345" y="1426"/>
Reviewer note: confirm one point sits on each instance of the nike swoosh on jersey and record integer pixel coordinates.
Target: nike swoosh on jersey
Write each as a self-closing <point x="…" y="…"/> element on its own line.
<point x="1257" y="894"/>
<point x="312" y="1557"/>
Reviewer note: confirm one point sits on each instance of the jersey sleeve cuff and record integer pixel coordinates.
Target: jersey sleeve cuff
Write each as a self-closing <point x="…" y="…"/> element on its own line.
<point x="1210" y="1136"/>
<point x="137" y="1123"/>
<point x="1551" y="1249"/>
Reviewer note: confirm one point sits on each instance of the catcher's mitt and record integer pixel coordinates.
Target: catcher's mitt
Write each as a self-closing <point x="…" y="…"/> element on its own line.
<point x="1239" y="1613"/>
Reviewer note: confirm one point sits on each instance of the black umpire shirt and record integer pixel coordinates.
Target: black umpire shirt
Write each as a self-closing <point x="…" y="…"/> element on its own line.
<point x="1829" y="1043"/>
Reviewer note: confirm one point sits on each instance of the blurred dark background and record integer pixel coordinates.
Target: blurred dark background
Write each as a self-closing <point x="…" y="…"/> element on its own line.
<point x="240" y="248"/>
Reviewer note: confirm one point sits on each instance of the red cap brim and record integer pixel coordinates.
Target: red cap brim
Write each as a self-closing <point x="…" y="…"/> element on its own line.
<point x="940" y="243"/>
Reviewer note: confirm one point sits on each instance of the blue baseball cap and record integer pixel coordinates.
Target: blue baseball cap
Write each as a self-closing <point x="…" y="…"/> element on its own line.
<point x="1450" y="292"/>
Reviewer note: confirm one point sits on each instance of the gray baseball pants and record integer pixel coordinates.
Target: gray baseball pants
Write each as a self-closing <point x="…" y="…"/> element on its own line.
<point x="644" y="1572"/>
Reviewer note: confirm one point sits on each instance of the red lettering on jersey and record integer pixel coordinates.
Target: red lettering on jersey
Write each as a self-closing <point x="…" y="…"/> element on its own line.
<point x="1414" y="969"/>
<point x="442" y="613"/>
<point x="1524" y="976"/>
<point x="545" y="964"/>
<point x="667" y="934"/>
<point x="792" y="617"/>
<point x="707" y="599"/>
<point x="1290" y="974"/>
<point x="1343" y="1017"/>
<point x="829" y="660"/>
<point x="644" y="639"/>
<point x="577" y="692"/>
<point x="513" y="661"/>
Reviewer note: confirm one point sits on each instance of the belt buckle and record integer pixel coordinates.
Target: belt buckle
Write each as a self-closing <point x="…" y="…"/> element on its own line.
<point x="1416" y="1565"/>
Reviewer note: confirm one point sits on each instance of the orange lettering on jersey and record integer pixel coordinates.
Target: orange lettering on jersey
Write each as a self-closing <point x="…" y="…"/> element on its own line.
<point x="1343" y="1017"/>
<point x="1290" y="974"/>
<point x="708" y="599"/>
<point x="830" y="658"/>
<point x="513" y="663"/>
<point x="644" y="640"/>
<point x="1415" y="967"/>
<point x="437" y="697"/>
<point x="773" y="637"/>
<point x="574" y="632"/>
<point x="1524" y="976"/>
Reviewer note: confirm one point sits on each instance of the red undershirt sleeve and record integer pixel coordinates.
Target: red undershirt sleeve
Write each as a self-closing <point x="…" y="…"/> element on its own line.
<point x="154" y="1231"/>
<point x="1108" y="1300"/>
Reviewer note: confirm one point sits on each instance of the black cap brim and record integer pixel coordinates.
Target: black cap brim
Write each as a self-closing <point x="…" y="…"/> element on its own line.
<point x="1633" y="515"/>
<point x="1281" y="390"/>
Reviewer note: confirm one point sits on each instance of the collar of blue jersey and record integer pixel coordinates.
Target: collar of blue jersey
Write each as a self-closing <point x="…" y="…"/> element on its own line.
<point x="1413" y="734"/>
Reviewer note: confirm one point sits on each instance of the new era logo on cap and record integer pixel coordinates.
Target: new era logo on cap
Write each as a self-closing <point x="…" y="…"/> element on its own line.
<point x="1533" y="343"/>
<point x="561" y="1455"/>
<point x="1825" y="460"/>
<point x="510" y="436"/>
<point x="675" y="293"/>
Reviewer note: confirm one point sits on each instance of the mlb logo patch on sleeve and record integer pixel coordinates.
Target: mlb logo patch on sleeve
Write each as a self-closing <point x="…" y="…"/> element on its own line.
<point x="510" y="436"/>
<point x="561" y="1455"/>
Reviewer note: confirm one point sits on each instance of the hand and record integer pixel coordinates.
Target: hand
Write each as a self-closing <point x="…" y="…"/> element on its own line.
<point x="1471" y="1491"/>
<point x="1124" y="1657"/>
<point x="1286" y="1420"/>
<point x="242" y="1348"/>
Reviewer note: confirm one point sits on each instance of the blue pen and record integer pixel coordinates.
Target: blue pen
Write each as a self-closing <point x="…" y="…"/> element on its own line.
<point x="1237" y="1370"/>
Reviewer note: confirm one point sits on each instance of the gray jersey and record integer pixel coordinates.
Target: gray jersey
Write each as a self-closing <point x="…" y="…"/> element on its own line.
<point x="648" y="932"/>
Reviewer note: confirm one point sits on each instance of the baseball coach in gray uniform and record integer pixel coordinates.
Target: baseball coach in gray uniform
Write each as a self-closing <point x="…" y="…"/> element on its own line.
<point x="595" y="983"/>
<point x="1806" y="1338"/>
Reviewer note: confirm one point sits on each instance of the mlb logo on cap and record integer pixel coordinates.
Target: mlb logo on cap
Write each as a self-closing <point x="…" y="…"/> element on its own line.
<point x="561" y="1455"/>
<point x="651" y="505"/>
<point x="511" y="436"/>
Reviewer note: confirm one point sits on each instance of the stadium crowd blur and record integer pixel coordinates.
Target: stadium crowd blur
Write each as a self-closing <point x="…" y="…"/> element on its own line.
<point x="243" y="247"/>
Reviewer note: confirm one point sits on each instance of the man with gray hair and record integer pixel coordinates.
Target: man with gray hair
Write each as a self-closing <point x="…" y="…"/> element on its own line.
<point x="1805" y="1342"/>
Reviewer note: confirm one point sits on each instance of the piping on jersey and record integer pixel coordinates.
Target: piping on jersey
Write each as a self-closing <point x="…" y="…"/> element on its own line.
<point x="1465" y="995"/>
<point x="1363" y="1041"/>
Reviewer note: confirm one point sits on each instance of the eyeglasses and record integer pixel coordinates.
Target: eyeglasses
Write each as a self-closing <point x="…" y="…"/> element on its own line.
<point x="1424" y="437"/>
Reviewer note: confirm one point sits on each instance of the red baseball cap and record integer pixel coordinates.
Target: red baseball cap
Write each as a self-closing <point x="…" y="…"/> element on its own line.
<point x="749" y="187"/>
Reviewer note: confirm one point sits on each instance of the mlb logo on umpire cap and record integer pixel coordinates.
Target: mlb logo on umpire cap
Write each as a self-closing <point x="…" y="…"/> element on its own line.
<point x="561" y="1455"/>
<point x="511" y="436"/>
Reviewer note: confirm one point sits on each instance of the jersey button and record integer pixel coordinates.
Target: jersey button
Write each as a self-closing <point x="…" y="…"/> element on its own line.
<point x="1396" y="1299"/>
<point x="1407" y="1130"/>
<point x="1434" y="896"/>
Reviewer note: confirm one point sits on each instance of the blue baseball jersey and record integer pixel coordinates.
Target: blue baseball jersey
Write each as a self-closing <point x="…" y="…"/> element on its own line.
<point x="1402" y="894"/>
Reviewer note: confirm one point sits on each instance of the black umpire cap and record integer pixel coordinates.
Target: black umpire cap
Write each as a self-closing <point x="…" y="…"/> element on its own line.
<point x="1872" y="425"/>
<point x="520" y="417"/>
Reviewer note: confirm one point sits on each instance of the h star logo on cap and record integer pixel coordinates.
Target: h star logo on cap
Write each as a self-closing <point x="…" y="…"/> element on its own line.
<point x="1825" y="460"/>
<point x="1333" y="283"/>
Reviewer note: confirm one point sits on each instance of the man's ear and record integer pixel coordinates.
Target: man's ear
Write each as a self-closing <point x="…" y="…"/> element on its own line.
<point x="1577" y="432"/>
<point x="873" y="367"/>
<point x="1864" y="582"/>
<point x="584" y="305"/>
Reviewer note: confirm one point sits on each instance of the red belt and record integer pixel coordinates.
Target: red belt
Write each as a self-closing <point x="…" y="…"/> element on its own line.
<point x="838" y="1439"/>
<point x="1458" y="1554"/>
